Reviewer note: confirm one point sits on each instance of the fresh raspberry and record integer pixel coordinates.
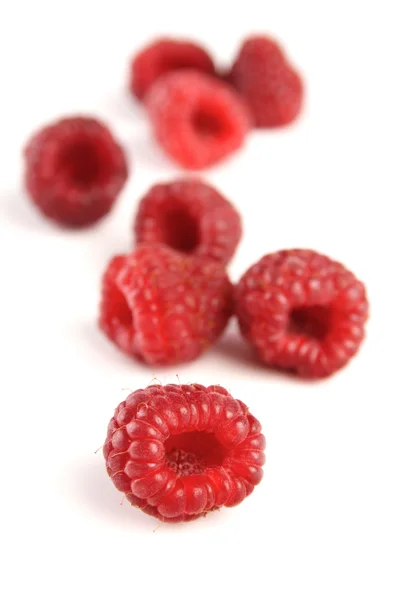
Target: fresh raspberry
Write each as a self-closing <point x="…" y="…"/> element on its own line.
<point x="180" y="451"/>
<point x="190" y="216"/>
<point x="163" y="306"/>
<point x="197" y="120"/>
<point x="75" y="170"/>
<point x="271" y="87"/>
<point x="163" y="56"/>
<point x="302" y="311"/>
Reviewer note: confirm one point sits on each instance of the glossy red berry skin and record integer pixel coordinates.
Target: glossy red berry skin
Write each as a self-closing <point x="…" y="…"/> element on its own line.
<point x="189" y="216"/>
<point x="74" y="171"/>
<point x="271" y="87"/>
<point x="164" y="56"/>
<point x="162" y="306"/>
<point x="302" y="312"/>
<point x="220" y="439"/>
<point x="198" y="120"/>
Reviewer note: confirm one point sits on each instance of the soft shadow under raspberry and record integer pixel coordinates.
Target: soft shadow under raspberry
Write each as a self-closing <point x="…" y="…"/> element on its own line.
<point x="96" y="494"/>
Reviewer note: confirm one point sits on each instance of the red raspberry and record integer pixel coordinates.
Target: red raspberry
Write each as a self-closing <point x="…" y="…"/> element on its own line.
<point x="190" y="216"/>
<point x="75" y="170"/>
<point x="163" y="56"/>
<point x="302" y="311"/>
<point x="163" y="306"/>
<point x="272" y="88"/>
<point x="198" y="120"/>
<point x="180" y="451"/>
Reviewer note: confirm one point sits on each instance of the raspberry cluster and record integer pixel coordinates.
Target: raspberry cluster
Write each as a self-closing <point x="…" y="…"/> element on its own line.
<point x="200" y="115"/>
<point x="180" y="451"/>
<point x="75" y="169"/>
<point x="170" y="299"/>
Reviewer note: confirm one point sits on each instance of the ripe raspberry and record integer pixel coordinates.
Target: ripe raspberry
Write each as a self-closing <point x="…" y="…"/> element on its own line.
<point x="163" y="56"/>
<point x="75" y="170"/>
<point x="190" y="216"/>
<point x="271" y="87"/>
<point x="197" y="120"/>
<point x="302" y="311"/>
<point x="163" y="306"/>
<point x="180" y="451"/>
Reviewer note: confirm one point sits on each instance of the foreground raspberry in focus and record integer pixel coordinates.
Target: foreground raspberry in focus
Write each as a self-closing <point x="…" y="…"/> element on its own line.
<point x="180" y="451"/>
<point x="302" y="311"/>
<point x="165" y="55"/>
<point x="271" y="87"/>
<point x="74" y="171"/>
<point x="197" y="120"/>
<point x="190" y="216"/>
<point x="162" y="306"/>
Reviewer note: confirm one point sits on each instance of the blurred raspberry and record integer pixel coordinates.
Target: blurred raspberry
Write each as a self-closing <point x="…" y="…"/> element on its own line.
<point x="190" y="216"/>
<point x="165" y="55"/>
<point x="270" y="86"/>
<point x="74" y="170"/>
<point x="197" y="120"/>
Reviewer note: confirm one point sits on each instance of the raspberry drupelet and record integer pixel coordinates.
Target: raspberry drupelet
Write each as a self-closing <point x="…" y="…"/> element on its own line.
<point x="163" y="306"/>
<point x="74" y="170"/>
<point x="163" y="56"/>
<point x="302" y="311"/>
<point x="198" y="120"/>
<point x="190" y="216"/>
<point x="180" y="451"/>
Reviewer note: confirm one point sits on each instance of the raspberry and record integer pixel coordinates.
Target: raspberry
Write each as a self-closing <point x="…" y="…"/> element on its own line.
<point x="163" y="306"/>
<point x="190" y="216"/>
<point x="197" y="120"/>
<point x="271" y="87"/>
<point x="302" y="311"/>
<point x="75" y="170"/>
<point x="163" y="56"/>
<point x="180" y="451"/>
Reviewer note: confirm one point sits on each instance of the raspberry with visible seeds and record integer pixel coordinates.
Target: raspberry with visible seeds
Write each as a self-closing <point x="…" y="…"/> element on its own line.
<point x="163" y="306"/>
<point x="302" y="311"/>
<point x="74" y="171"/>
<point x="190" y="216"/>
<point x="180" y="451"/>
<point x="197" y="120"/>
<point x="163" y="56"/>
<point x="271" y="87"/>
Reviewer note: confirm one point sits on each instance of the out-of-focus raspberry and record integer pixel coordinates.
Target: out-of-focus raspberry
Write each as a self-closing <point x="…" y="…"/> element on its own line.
<point x="271" y="87"/>
<point x="198" y="120"/>
<point x="190" y="216"/>
<point x="74" y="170"/>
<point x="165" y="55"/>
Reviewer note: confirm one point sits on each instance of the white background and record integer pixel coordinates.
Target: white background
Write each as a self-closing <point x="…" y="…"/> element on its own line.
<point x="324" y="523"/>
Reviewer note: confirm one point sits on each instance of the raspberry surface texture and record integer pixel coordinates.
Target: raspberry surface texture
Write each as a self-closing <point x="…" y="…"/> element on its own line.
<point x="197" y="120"/>
<point x="163" y="306"/>
<point x="265" y="79"/>
<point x="302" y="311"/>
<point x="163" y="56"/>
<point x="178" y="452"/>
<point x="74" y="171"/>
<point x="190" y="216"/>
